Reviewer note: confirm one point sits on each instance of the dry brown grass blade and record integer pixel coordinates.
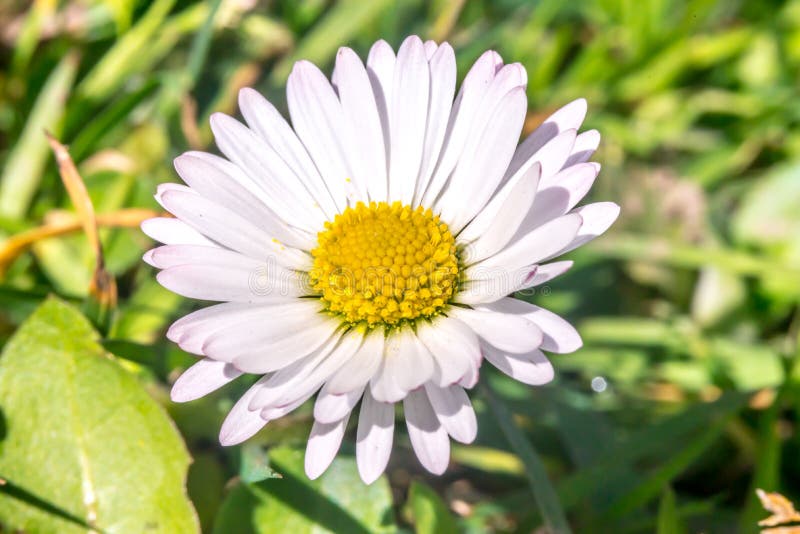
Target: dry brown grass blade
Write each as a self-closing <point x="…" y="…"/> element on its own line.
<point x="102" y="287"/>
<point x="19" y="243"/>
<point x="782" y="510"/>
<point x="77" y="193"/>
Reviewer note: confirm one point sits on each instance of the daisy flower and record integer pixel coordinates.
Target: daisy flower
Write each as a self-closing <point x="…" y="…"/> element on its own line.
<point x="366" y="251"/>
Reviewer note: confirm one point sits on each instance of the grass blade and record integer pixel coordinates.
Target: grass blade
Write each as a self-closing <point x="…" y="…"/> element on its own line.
<point x="543" y="491"/>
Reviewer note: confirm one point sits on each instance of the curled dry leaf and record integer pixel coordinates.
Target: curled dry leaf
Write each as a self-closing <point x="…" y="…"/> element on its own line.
<point x="783" y="512"/>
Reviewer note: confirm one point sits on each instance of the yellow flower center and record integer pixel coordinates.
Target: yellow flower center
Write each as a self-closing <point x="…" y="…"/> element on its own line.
<point x="385" y="264"/>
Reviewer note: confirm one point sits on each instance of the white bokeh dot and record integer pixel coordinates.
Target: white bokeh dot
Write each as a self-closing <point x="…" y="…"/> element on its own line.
<point x="599" y="384"/>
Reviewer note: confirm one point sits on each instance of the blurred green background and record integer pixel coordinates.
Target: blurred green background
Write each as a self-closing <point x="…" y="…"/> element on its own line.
<point x="683" y="401"/>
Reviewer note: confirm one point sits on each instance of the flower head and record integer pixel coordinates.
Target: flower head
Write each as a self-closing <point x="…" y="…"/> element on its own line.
<point x="365" y="253"/>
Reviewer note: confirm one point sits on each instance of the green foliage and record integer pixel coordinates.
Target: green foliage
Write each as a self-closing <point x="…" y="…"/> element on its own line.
<point x="689" y="308"/>
<point x="336" y="502"/>
<point x="82" y="436"/>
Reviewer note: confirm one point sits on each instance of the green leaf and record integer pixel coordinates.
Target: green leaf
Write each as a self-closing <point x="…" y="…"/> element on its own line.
<point x="336" y="502"/>
<point x="669" y="521"/>
<point x="26" y="161"/>
<point x="83" y="437"/>
<point x="430" y="514"/>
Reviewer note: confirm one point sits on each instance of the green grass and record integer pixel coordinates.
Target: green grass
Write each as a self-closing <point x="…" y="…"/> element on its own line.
<point x="688" y="307"/>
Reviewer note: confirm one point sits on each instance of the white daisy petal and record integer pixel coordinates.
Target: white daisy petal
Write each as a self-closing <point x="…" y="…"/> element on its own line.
<point x="442" y="66"/>
<point x="374" y="437"/>
<point x="329" y="408"/>
<point x="406" y="365"/>
<point x="359" y="106"/>
<point x="361" y="367"/>
<point x="365" y="252"/>
<point x="201" y="379"/>
<point x="228" y="228"/>
<point x="408" y="112"/>
<point x="430" y="48"/>
<point x="318" y="120"/>
<point x="566" y="189"/>
<point x="380" y="67"/>
<point x="454" y="411"/>
<point x="585" y="145"/>
<point x="281" y="352"/>
<point x="211" y="182"/>
<point x="508" y="332"/>
<point x="532" y="368"/>
<point x="559" y="336"/>
<point x="174" y="232"/>
<point x="597" y="218"/>
<point x="241" y="424"/>
<point x="454" y="346"/>
<point x="268" y="170"/>
<point x="569" y="117"/>
<point x="481" y="168"/>
<point x="428" y="436"/>
<point x="545" y="273"/>
<point x="268" y="123"/>
<point x="510" y="212"/>
<point x="220" y="283"/>
<point x="536" y="245"/>
<point x="305" y="374"/>
<point x="323" y="444"/>
<point x="466" y="105"/>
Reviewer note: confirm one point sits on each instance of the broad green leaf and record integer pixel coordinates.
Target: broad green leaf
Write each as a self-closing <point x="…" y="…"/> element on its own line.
<point x="338" y="501"/>
<point x="83" y="437"/>
<point x="430" y="514"/>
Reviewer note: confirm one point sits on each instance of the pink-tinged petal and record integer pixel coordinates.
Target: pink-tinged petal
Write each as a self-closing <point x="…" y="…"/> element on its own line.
<point x="201" y="379"/>
<point x="507" y="332"/>
<point x="323" y="444"/>
<point x="532" y="368"/>
<point x="454" y="410"/>
<point x="374" y="437"/>
<point x="428" y="437"/>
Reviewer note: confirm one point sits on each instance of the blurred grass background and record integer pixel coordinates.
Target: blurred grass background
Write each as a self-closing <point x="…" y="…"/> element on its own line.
<point x="686" y="395"/>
